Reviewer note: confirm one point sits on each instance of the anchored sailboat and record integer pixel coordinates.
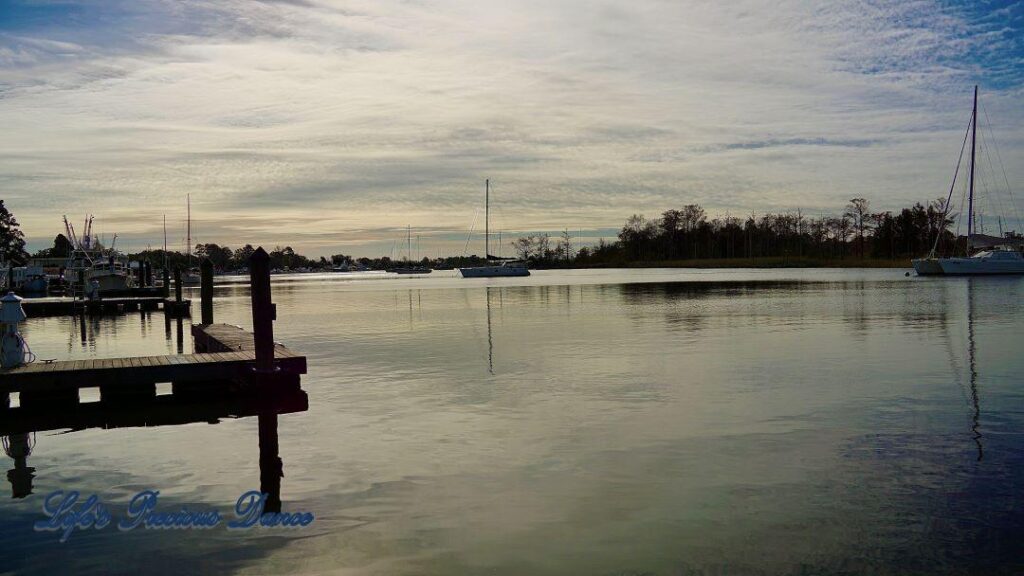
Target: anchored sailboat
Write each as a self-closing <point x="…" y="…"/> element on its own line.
<point x="410" y="267"/>
<point x="191" y="277"/>
<point x="506" y="267"/>
<point x="996" y="257"/>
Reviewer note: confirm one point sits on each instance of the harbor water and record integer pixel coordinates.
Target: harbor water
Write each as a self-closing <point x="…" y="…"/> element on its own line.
<point x="608" y="422"/>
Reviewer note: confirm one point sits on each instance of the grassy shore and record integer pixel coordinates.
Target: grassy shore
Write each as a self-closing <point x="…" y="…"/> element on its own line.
<point x="772" y="262"/>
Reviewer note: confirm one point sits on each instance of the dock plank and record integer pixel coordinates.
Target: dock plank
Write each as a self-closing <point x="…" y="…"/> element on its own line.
<point x="77" y="374"/>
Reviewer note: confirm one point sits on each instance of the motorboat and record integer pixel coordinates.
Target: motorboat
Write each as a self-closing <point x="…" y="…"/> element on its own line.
<point x="30" y="280"/>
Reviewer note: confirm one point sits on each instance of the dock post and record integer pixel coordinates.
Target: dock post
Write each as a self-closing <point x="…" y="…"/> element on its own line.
<point x="149" y="273"/>
<point x="167" y="283"/>
<point x="263" y="316"/>
<point x="263" y="312"/>
<point x="177" y="285"/>
<point x="206" y="291"/>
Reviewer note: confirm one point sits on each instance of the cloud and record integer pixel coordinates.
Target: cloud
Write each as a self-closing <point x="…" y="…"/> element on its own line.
<point x="316" y="121"/>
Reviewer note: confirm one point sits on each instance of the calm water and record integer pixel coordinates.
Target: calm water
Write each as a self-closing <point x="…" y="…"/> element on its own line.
<point x="588" y="422"/>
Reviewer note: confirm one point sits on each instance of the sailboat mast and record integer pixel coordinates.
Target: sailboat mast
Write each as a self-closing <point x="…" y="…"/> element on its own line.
<point x="188" y="233"/>
<point x="970" y="197"/>
<point x="165" y="241"/>
<point x="487" y="218"/>
<point x="408" y="242"/>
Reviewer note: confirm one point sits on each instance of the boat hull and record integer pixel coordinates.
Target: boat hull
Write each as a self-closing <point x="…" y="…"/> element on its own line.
<point x="493" y="272"/>
<point x="38" y="285"/>
<point x="967" y="267"/>
<point x="109" y="281"/>
<point x="980" y="266"/>
<point x="927" y="267"/>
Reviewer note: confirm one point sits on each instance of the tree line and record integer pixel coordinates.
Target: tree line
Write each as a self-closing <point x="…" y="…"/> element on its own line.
<point x="687" y="233"/>
<point x="683" y="234"/>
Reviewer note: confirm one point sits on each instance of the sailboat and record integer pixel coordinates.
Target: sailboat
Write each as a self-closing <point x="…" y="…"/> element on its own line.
<point x="191" y="277"/>
<point x="409" y="267"/>
<point x="508" y="267"/>
<point x="996" y="256"/>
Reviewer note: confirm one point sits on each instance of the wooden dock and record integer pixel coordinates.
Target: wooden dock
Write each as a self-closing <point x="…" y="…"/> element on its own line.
<point x="66" y="306"/>
<point x="233" y="373"/>
<point x="227" y="360"/>
<point x="164" y="410"/>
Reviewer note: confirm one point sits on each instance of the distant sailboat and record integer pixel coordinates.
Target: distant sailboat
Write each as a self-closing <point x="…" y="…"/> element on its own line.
<point x="508" y="267"/>
<point x="191" y="277"/>
<point x="409" y="267"/>
<point x="997" y="258"/>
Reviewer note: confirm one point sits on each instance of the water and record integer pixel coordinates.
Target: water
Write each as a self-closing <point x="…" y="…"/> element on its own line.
<point x="585" y="422"/>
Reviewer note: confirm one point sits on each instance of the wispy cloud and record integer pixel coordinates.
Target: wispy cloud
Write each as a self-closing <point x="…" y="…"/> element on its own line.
<point x="312" y="122"/>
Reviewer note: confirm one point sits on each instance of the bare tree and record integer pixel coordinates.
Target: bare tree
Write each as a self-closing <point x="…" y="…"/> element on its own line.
<point x="857" y="211"/>
<point x="523" y="247"/>
<point x="565" y="245"/>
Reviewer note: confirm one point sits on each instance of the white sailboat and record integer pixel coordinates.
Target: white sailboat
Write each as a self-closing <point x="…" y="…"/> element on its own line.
<point x="505" y="267"/>
<point x="997" y="255"/>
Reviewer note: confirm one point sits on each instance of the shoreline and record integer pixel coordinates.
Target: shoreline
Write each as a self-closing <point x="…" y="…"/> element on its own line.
<point x="765" y="263"/>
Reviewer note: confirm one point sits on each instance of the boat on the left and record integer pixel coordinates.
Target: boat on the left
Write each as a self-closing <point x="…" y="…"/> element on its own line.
<point x="91" y="266"/>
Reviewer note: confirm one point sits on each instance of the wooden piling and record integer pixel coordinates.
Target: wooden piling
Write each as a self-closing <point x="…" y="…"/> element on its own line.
<point x="263" y="313"/>
<point x="149" y="273"/>
<point x="167" y="283"/>
<point x="177" y="283"/>
<point x="206" y="291"/>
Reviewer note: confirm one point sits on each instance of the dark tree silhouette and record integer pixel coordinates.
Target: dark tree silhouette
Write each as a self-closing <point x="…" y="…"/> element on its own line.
<point x="12" y="240"/>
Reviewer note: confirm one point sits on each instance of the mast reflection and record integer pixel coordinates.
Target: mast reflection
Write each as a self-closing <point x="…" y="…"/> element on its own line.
<point x="490" y="339"/>
<point x="971" y="348"/>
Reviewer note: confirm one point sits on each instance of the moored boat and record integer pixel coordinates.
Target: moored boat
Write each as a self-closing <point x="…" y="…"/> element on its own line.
<point x="502" y="267"/>
<point x="996" y="256"/>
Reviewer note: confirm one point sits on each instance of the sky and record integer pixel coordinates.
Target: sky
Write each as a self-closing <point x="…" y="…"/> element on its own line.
<point x="331" y="126"/>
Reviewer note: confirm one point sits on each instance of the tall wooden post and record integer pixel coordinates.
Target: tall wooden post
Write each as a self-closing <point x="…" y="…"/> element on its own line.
<point x="149" y="273"/>
<point x="263" y="312"/>
<point x="167" y="282"/>
<point x="177" y="284"/>
<point x="206" y="290"/>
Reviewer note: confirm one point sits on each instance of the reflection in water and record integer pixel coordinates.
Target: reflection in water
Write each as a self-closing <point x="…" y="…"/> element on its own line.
<point x="179" y="332"/>
<point x="490" y="339"/>
<point x="976" y="416"/>
<point x="271" y="465"/>
<point x="19" y="426"/>
<point x="19" y="447"/>
<point x="625" y="444"/>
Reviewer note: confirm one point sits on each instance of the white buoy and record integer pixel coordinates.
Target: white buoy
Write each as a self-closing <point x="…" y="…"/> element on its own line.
<point x="12" y="347"/>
